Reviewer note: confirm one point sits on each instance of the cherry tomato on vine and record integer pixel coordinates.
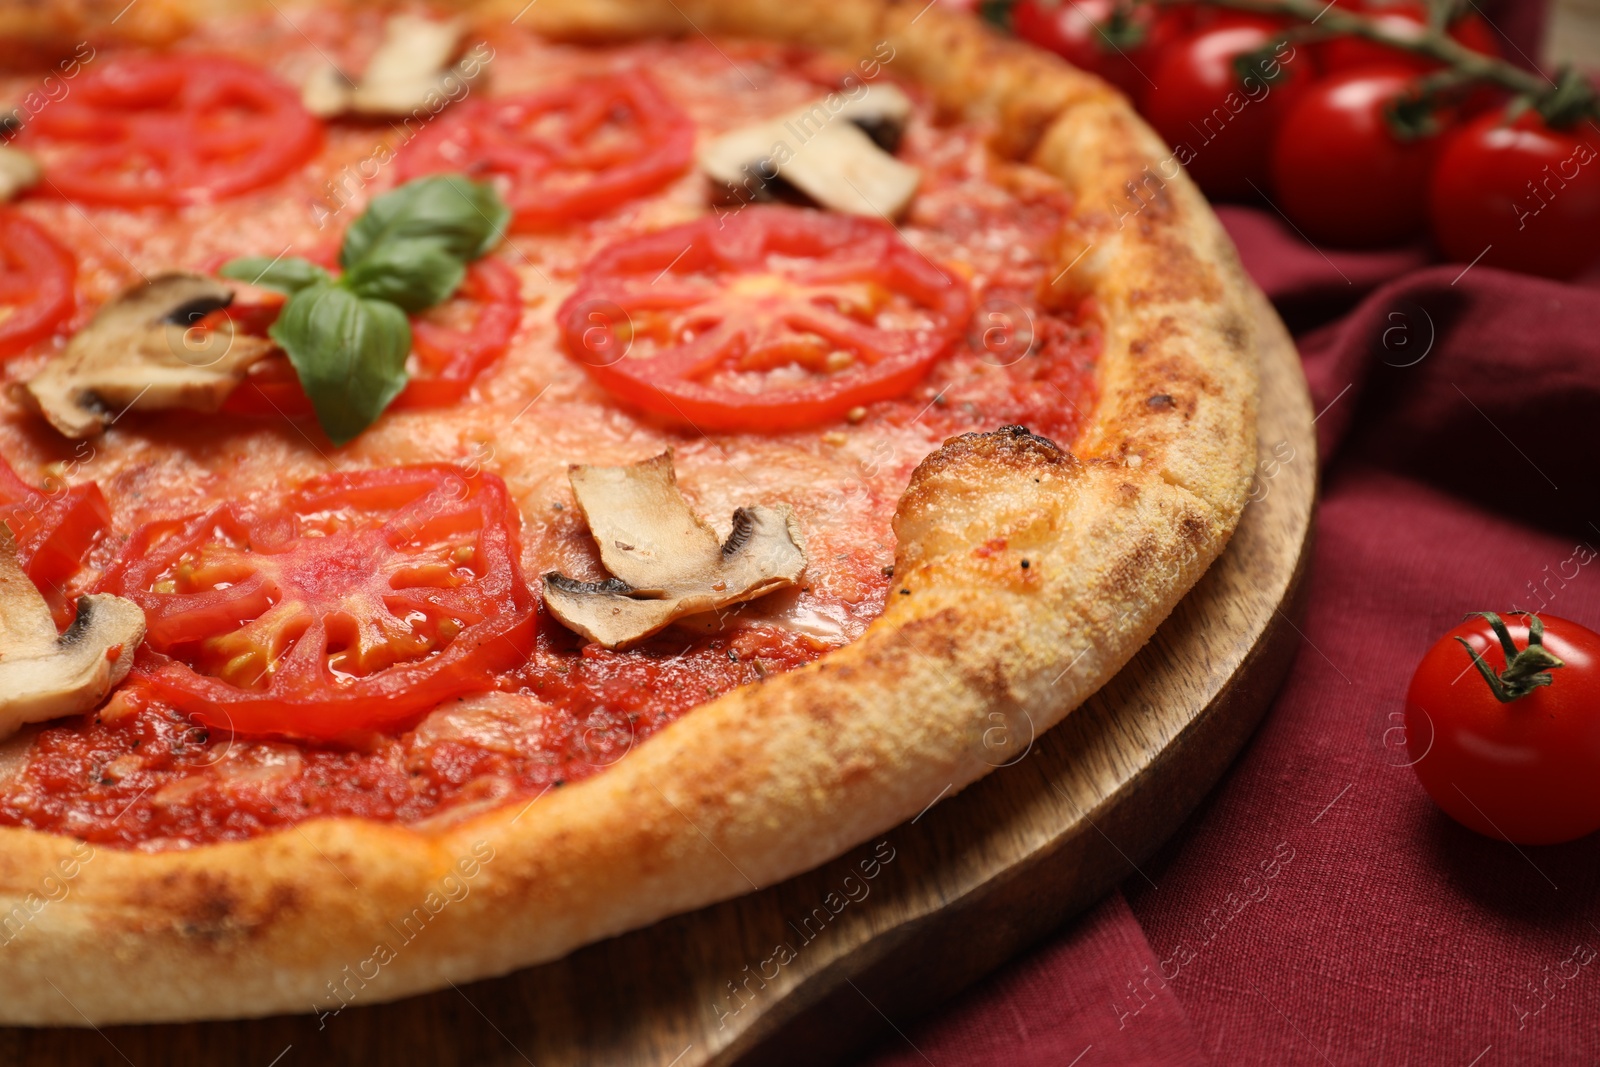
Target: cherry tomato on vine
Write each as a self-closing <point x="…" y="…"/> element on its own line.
<point x="1120" y="43"/>
<point x="1222" y="126"/>
<point x="774" y="319"/>
<point x="358" y="600"/>
<point x="142" y="130"/>
<point x="1341" y="172"/>
<point x="1511" y="749"/>
<point x="1520" y="194"/>
<point x="1405" y="19"/>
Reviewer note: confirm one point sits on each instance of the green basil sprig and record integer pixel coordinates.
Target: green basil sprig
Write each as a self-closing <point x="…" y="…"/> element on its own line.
<point x="348" y="337"/>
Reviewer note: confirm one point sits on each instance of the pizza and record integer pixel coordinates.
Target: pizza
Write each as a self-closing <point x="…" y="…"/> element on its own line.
<point x="477" y="481"/>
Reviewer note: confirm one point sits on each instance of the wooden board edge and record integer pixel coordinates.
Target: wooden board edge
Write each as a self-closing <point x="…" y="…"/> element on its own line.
<point x="907" y="971"/>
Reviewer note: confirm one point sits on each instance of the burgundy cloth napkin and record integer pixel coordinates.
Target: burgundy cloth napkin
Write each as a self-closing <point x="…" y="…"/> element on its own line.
<point x="1460" y="440"/>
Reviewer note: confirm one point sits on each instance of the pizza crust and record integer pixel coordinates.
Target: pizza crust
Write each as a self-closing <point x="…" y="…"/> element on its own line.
<point x="1025" y="578"/>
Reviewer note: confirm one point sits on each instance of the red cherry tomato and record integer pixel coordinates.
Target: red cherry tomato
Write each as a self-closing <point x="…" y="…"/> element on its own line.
<point x="37" y="279"/>
<point x="1341" y="173"/>
<point x="358" y="601"/>
<point x="774" y="318"/>
<point x="1205" y="17"/>
<point x="1522" y="771"/>
<point x="1221" y="127"/>
<point x="170" y="130"/>
<point x="1405" y="19"/>
<point x="1106" y="37"/>
<point x="1474" y="31"/>
<point x="450" y="346"/>
<point x="1520" y="194"/>
<point x="568" y="152"/>
<point x="54" y="528"/>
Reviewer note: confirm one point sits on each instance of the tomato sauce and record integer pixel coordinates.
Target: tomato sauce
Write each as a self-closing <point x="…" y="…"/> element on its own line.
<point x="140" y="774"/>
<point x="148" y="776"/>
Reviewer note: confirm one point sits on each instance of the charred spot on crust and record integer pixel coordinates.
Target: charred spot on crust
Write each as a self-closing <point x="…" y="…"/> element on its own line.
<point x="1018" y="431"/>
<point x="938" y="636"/>
<point x="207" y="908"/>
<point x="1160" y="402"/>
<point x="211" y="915"/>
<point x="1176" y="273"/>
<point x="1013" y="445"/>
<point x="1235" y="332"/>
<point x="216" y="912"/>
<point x="1131" y="570"/>
<point x="1194" y="529"/>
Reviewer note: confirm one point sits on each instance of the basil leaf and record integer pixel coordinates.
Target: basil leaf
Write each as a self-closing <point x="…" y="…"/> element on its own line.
<point x="348" y="339"/>
<point x="285" y="275"/>
<point x="349" y="352"/>
<point x="466" y="218"/>
<point x="413" y="274"/>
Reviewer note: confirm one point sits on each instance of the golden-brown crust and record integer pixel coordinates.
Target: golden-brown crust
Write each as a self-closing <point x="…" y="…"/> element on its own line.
<point x="1025" y="578"/>
<point x="38" y="33"/>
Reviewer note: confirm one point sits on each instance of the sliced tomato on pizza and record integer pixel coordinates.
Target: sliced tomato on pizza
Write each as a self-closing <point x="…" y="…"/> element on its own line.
<point x="773" y="318"/>
<point x="357" y="601"/>
<point x="571" y="151"/>
<point x="169" y="130"/>
<point x="37" y="278"/>
<point x="55" y="528"/>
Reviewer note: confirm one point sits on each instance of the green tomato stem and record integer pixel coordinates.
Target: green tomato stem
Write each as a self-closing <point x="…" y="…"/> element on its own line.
<point x="1561" y="102"/>
<point x="1526" y="670"/>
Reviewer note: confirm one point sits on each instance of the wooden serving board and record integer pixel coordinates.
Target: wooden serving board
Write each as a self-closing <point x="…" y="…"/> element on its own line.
<point x="805" y="971"/>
